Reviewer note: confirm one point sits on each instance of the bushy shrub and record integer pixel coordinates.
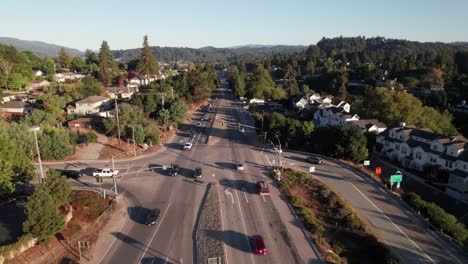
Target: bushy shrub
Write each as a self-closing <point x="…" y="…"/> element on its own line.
<point x="91" y="136"/>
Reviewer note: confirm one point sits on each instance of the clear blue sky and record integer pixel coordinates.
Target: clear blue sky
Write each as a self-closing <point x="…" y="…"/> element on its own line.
<point x="84" y="24"/>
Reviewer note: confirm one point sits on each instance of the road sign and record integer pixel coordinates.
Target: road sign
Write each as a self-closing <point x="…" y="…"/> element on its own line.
<point x="164" y="167"/>
<point x="397" y="177"/>
<point x="366" y="162"/>
<point x="311" y="169"/>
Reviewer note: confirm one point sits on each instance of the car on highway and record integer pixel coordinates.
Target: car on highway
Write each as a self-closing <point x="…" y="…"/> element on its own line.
<point x="174" y="170"/>
<point x="198" y="172"/>
<point x="241" y="129"/>
<point x="315" y="160"/>
<point x="210" y="119"/>
<point x="199" y="124"/>
<point x="187" y="146"/>
<point x="70" y="174"/>
<point x="152" y="217"/>
<point x="259" y="245"/>
<point x="262" y="188"/>
<point x="276" y="150"/>
<point x="239" y="166"/>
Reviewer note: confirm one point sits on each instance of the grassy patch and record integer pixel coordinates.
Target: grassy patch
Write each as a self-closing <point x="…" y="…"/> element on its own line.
<point x="87" y="205"/>
<point x="333" y="223"/>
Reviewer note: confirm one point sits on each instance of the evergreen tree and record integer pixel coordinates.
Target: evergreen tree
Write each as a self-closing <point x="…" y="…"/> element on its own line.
<point x="43" y="220"/>
<point x="63" y="58"/>
<point x="107" y="65"/>
<point x="148" y="64"/>
<point x="58" y="187"/>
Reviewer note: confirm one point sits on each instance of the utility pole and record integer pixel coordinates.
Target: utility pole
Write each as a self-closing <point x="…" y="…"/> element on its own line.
<point x="38" y="154"/>
<point x="162" y="99"/>
<point x="117" y="117"/>
<point x="134" y="142"/>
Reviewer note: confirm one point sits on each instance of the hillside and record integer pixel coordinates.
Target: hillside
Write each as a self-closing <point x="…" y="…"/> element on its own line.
<point x="39" y="48"/>
<point x="209" y="54"/>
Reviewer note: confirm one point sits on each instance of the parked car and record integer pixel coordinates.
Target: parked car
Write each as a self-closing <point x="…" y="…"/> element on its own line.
<point x="199" y="124"/>
<point x="239" y="166"/>
<point x="259" y="245"/>
<point x="73" y="174"/>
<point x="198" y="172"/>
<point x="210" y="119"/>
<point x="315" y="160"/>
<point x="263" y="188"/>
<point x="152" y="217"/>
<point x="187" y="146"/>
<point x="241" y="129"/>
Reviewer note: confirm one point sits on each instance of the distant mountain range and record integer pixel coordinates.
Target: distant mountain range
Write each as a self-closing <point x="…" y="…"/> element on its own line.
<point x="460" y="43"/>
<point x="39" y="48"/>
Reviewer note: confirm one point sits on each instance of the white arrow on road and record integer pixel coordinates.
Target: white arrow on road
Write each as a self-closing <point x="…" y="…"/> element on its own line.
<point x="228" y="193"/>
<point x="245" y="195"/>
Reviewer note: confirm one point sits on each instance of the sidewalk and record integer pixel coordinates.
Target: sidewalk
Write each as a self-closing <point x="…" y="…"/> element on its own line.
<point x="105" y="240"/>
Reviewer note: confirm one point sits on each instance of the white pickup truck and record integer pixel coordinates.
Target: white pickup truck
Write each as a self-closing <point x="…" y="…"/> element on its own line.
<point x="105" y="173"/>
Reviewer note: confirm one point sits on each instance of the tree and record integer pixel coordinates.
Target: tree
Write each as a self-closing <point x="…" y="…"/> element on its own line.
<point x="58" y="187"/>
<point x="6" y="164"/>
<point x="63" y="58"/>
<point x="6" y="67"/>
<point x="152" y="133"/>
<point x="78" y="64"/>
<point x="90" y="87"/>
<point x="43" y="220"/>
<point x="107" y="65"/>
<point x="148" y="64"/>
<point x="177" y="110"/>
<point x="55" y="143"/>
<point x="16" y="81"/>
<point x="164" y="117"/>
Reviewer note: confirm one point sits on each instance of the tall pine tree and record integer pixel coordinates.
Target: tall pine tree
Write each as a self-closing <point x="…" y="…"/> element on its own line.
<point x="107" y="65"/>
<point x="148" y="64"/>
<point x="63" y="58"/>
<point x="43" y="219"/>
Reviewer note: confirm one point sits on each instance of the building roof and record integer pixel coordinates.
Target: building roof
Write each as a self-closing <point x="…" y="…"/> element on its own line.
<point x="92" y="99"/>
<point x="368" y="123"/>
<point x="425" y="133"/>
<point x="70" y="107"/>
<point x="464" y="155"/>
<point x="15" y="104"/>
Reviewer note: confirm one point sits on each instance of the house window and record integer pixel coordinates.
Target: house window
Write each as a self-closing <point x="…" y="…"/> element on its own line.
<point x="448" y="164"/>
<point x="393" y="134"/>
<point x="464" y="166"/>
<point x="418" y="155"/>
<point x="397" y="147"/>
<point x="387" y="144"/>
<point x="433" y="160"/>
<point x="403" y="150"/>
<point x="434" y="147"/>
<point x="401" y="137"/>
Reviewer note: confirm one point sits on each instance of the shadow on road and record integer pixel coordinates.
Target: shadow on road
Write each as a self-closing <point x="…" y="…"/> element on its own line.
<point x="240" y="185"/>
<point x="226" y="165"/>
<point x="156" y="260"/>
<point x="232" y="239"/>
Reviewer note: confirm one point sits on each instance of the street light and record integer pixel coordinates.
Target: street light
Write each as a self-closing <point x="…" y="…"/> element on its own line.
<point x="34" y="129"/>
<point x="113" y="170"/>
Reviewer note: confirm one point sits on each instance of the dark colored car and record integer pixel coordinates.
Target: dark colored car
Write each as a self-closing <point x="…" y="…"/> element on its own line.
<point x="70" y="173"/>
<point x="174" y="170"/>
<point x="198" y="172"/>
<point x="259" y="245"/>
<point x="263" y="188"/>
<point x="152" y="217"/>
<point x="315" y="160"/>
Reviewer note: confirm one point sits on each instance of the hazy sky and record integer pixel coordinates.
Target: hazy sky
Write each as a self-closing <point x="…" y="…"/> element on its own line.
<point x="84" y="24"/>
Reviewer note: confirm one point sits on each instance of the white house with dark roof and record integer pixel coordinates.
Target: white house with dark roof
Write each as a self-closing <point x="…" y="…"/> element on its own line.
<point x="63" y="77"/>
<point x="90" y="105"/>
<point x="16" y="106"/>
<point x="333" y="117"/>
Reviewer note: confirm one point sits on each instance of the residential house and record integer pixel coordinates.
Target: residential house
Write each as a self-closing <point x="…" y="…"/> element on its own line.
<point x="134" y="82"/>
<point x="369" y="125"/>
<point x="37" y="84"/>
<point x="16" y="107"/>
<point x="7" y="97"/>
<point x="90" y="105"/>
<point x="301" y="103"/>
<point x="63" y="77"/>
<point x="458" y="179"/>
<point x="120" y="92"/>
<point x="333" y="116"/>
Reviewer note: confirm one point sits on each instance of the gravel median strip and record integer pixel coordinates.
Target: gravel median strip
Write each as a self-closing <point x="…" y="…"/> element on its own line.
<point x="210" y="242"/>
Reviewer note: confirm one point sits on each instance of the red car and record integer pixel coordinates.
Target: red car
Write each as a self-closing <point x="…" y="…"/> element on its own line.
<point x="259" y="245"/>
<point x="263" y="188"/>
<point x="210" y="119"/>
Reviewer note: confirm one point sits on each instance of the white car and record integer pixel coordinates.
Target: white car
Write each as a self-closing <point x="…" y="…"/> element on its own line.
<point x="239" y="166"/>
<point x="199" y="124"/>
<point x="241" y="129"/>
<point x="276" y="150"/>
<point x="187" y="146"/>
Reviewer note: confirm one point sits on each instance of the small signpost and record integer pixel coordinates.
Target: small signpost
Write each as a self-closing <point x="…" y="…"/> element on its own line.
<point x="366" y="162"/>
<point x="396" y="178"/>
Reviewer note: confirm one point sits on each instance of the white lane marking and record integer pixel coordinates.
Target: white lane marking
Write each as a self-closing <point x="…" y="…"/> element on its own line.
<point x="165" y="261"/>
<point x="245" y="194"/>
<point x="401" y="231"/>
<point x="222" y="228"/>
<point x="155" y="231"/>
<point x="267" y="159"/>
<point x="228" y="193"/>
<point x="243" y="224"/>
<point x="263" y="197"/>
